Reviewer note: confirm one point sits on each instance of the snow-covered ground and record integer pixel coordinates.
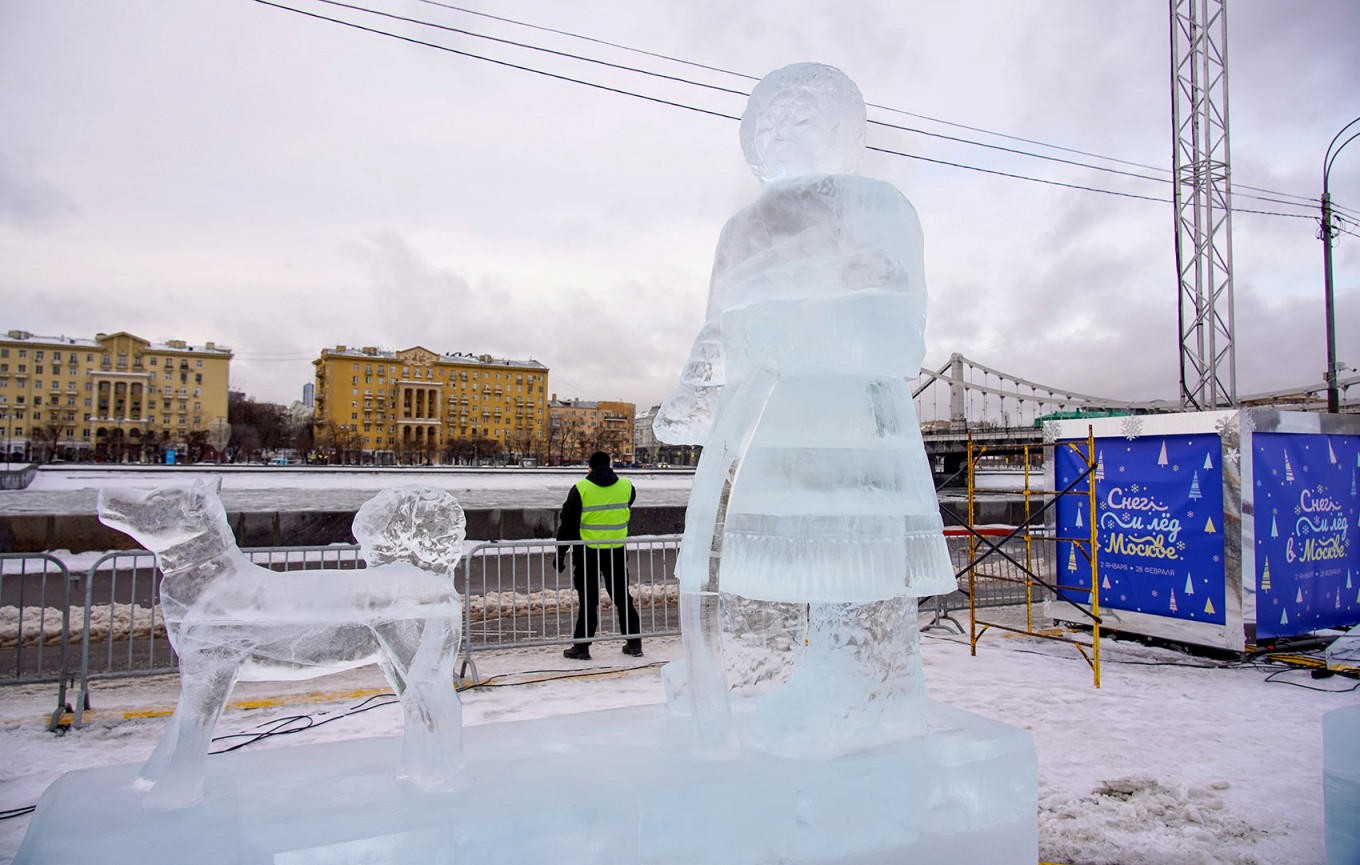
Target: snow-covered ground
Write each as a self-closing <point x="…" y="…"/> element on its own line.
<point x="1175" y="760"/>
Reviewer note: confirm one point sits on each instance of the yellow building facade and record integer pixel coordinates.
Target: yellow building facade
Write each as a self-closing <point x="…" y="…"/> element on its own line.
<point x="416" y="405"/>
<point x="580" y="427"/>
<point x="117" y="397"/>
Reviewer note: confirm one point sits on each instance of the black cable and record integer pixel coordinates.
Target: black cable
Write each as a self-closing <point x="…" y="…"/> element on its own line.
<point x="589" y="39"/>
<point x="1304" y="201"/>
<point x="723" y="115"/>
<point x="542" y="72"/>
<point x="1272" y="680"/>
<point x="17" y="812"/>
<point x="1313" y="202"/>
<point x="532" y="47"/>
<point x="1008" y="174"/>
<point x="277" y="725"/>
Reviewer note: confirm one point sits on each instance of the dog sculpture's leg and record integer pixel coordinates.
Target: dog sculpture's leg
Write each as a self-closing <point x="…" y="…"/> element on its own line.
<point x="175" y="770"/>
<point x="418" y="657"/>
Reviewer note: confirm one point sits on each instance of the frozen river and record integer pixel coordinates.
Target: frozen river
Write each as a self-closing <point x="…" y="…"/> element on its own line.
<point x="73" y="489"/>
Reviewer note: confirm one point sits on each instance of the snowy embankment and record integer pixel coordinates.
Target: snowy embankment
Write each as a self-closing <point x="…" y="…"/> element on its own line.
<point x="1175" y="760"/>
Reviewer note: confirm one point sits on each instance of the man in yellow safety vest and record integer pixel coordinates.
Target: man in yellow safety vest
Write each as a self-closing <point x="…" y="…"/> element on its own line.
<point x="596" y="513"/>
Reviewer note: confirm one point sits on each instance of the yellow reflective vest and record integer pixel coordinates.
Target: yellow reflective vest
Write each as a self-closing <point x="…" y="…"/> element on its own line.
<point x="604" y="512"/>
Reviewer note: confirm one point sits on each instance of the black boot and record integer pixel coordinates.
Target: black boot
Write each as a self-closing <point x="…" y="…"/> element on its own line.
<point x="633" y="647"/>
<point x="580" y="652"/>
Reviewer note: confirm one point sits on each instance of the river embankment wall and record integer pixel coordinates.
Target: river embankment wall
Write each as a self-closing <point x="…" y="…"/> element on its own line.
<point x="79" y="533"/>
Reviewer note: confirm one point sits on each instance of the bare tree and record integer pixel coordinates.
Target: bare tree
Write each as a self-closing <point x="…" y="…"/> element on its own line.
<point x="219" y="434"/>
<point x="46" y="435"/>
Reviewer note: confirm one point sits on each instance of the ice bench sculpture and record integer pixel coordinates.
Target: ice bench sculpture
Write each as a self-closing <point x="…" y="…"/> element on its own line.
<point x="230" y="619"/>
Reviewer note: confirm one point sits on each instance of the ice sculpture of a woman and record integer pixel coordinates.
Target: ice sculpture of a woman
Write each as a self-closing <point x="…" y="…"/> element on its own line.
<point x="813" y="525"/>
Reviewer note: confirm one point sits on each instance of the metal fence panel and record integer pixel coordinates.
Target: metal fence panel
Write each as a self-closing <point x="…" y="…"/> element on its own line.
<point x="998" y="582"/>
<point x="126" y="636"/>
<point x="514" y="596"/>
<point x="35" y="618"/>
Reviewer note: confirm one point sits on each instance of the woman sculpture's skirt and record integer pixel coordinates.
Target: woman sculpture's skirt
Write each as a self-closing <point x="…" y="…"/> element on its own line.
<point x="833" y="500"/>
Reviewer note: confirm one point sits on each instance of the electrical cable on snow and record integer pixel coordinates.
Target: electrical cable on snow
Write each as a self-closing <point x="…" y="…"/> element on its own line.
<point x="18" y="812"/>
<point x="1274" y="681"/>
<point x="281" y="726"/>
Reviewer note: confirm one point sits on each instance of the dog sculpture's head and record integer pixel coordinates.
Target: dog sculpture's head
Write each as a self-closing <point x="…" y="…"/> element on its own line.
<point x="419" y="525"/>
<point x="182" y="525"/>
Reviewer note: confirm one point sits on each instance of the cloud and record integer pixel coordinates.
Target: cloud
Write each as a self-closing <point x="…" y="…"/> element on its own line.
<point x="27" y="200"/>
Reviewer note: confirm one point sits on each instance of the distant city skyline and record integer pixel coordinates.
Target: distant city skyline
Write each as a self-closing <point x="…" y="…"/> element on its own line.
<point x="229" y="171"/>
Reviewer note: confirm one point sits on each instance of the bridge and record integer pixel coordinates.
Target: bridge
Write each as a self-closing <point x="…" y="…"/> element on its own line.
<point x="999" y="409"/>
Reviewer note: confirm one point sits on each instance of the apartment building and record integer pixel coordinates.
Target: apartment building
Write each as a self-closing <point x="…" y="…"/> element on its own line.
<point x="117" y="397"/>
<point x="649" y="451"/>
<point x="581" y="427"/>
<point x="417" y="406"/>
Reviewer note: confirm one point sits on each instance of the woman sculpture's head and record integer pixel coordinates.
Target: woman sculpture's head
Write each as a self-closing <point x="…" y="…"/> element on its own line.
<point x="807" y="118"/>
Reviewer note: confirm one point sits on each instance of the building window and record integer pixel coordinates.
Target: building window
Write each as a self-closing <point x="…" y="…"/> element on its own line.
<point x="153" y="361"/>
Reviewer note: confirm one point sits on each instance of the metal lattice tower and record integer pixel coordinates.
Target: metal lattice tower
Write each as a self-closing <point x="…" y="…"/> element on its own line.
<point x="1203" y="202"/>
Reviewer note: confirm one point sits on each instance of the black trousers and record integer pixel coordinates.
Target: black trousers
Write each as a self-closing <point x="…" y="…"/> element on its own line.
<point x="589" y="566"/>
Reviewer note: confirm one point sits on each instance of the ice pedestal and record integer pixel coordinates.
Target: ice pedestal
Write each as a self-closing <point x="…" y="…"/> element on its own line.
<point x="614" y="786"/>
<point x="1341" y="784"/>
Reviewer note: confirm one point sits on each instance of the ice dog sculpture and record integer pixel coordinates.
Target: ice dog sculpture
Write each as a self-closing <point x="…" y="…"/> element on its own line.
<point x="229" y="619"/>
<point x="813" y="525"/>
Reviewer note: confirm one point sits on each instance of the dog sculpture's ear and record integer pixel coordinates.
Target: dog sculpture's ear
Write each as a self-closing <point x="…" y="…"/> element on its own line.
<point x="199" y="495"/>
<point x="217" y="486"/>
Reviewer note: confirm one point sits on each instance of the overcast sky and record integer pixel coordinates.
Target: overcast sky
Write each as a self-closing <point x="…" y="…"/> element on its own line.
<point x="225" y="170"/>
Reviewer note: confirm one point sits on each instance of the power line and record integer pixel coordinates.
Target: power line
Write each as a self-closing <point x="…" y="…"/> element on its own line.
<point x="1017" y="176"/>
<point x="507" y="64"/>
<point x="742" y="93"/>
<point x="1314" y="202"/>
<point x="726" y="116"/>
<point x="531" y="47"/>
<point x="582" y="37"/>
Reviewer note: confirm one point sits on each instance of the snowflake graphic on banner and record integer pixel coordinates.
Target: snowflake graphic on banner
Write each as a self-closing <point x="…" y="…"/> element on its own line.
<point x="1131" y="427"/>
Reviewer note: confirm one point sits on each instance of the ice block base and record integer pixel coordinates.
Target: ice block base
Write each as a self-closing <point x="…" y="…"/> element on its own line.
<point x="614" y="786"/>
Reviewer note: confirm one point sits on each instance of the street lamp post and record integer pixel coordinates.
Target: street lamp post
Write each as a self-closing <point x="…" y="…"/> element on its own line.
<point x="1326" y="231"/>
<point x="4" y="415"/>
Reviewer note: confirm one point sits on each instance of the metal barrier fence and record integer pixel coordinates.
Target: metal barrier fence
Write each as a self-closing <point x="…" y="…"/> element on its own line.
<point x="514" y="594"/>
<point x="35" y="621"/>
<point x="997" y="582"/>
<point x="122" y="612"/>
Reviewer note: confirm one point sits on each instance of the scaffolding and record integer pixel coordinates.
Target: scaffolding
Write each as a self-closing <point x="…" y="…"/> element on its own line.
<point x="1022" y="555"/>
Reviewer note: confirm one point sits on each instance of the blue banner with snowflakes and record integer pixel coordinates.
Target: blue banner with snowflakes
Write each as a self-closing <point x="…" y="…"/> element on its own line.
<point x="1159" y="514"/>
<point x="1307" y="508"/>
